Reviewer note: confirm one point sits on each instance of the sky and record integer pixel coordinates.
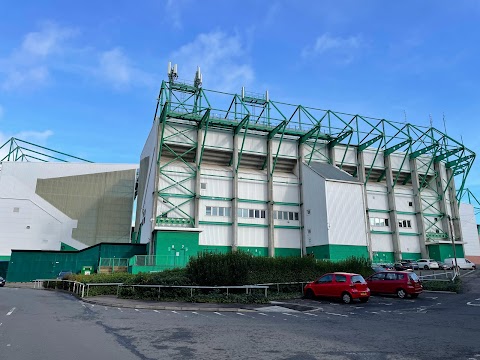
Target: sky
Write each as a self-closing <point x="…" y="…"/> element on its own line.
<point x="83" y="77"/>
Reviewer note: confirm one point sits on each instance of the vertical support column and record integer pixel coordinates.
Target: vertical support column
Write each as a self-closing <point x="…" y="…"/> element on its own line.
<point x="331" y="154"/>
<point x="361" y="178"/>
<point x="235" y="195"/>
<point x="200" y="135"/>
<point x="457" y="229"/>
<point x="441" y="200"/>
<point x="393" y="209"/>
<point x="417" y="202"/>
<point x="303" y="245"/>
<point x="271" y="229"/>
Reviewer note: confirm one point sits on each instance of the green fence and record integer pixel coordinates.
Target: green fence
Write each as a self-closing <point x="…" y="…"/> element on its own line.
<point x="155" y="263"/>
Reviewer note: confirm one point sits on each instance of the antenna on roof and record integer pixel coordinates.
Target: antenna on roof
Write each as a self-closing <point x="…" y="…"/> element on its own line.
<point x="197" y="82"/>
<point x="172" y="72"/>
<point x="444" y="124"/>
<point x="431" y="120"/>
<point x="405" y="116"/>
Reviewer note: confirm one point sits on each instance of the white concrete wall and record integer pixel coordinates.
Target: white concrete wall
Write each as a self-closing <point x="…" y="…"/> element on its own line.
<point x="468" y="223"/>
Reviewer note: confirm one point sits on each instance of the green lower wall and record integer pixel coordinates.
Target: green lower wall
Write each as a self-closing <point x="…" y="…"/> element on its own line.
<point x="380" y="257"/>
<point x="337" y="252"/>
<point x="411" y="256"/>
<point x="441" y="252"/>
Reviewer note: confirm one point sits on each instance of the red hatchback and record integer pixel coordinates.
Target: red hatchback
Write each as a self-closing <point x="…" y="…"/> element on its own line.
<point x="345" y="286"/>
<point x="401" y="283"/>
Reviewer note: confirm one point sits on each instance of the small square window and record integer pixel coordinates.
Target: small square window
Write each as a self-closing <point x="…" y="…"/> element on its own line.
<point x="214" y="211"/>
<point x="16" y="209"/>
<point x="203" y="186"/>
<point x="296" y="216"/>
<point x="409" y="224"/>
<point x="386" y="222"/>
<point x="275" y="214"/>
<point x="372" y="221"/>
<point x="221" y="211"/>
<point x="410" y="203"/>
<point x="280" y="215"/>
<point x="209" y="210"/>
<point x="257" y="214"/>
<point x="400" y="224"/>
<point x="228" y="211"/>
<point x="251" y="213"/>
<point x="262" y="214"/>
<point x="290" y="215"/>
<point x="285" y="215"/>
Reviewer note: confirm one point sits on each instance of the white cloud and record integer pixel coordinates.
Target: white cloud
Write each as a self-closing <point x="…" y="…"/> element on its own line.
<point x="116" y="69"/>
<point x="48" y="40"/>
<point x="222" y="60"/>
<point x="28" y="65"/>
<point x="343" y="48"/>
<point x="172" y="11"/>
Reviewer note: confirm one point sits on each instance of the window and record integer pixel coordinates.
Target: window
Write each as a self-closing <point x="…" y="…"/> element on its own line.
<point x="390" y="276"/>
<point x="257" y="214"/>
<point x="386" y="222"/>
<point x="251" y="213"/>
<point x="325" y="279"/>
<point x="275" y="215"/>
<point x="378" y="222"/>
<point x="228" y="211"/>
<point x="290" y="215"/>
<point x="410" y="203"/>
<point x="400" y="276"/>
<point x="280" y="215"/>
<point x="203" y="186"/>
<point x="400" y="224"/>
<point x="379" y="276"/>
<point x="221" y="211"/>
<point x="285" y="215"/>
<point x="214" y="211"/>
<point x="208" y="210"/>
<point x="409" y="224"/>
<point x="340" y="278"/>
<point x="262" y="214"/>
<point x="296" y="216"/>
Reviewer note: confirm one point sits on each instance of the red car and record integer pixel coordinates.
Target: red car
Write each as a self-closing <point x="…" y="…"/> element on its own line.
<point x="345" y="286"/>
<point x="401" y="283"/>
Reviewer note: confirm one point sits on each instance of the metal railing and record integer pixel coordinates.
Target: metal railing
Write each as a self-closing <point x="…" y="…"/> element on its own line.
<point x="73" y="286"/>
<point x="441" y="276"/>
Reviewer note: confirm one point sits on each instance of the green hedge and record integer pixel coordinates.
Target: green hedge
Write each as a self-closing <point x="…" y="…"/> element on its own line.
<point x="453" y="286"/>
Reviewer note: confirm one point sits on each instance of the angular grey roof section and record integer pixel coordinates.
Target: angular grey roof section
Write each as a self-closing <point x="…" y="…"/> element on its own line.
<point x="329" y="171"/>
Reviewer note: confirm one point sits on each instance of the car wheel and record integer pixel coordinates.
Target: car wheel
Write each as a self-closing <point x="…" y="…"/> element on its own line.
<point x="346" y="298"/>
<point x="425" y="267"/>
<point x="364" y="300"/>
<point x="414" y="296"/>
<point x="401" y="293"/>
<point x="309" y="294"/>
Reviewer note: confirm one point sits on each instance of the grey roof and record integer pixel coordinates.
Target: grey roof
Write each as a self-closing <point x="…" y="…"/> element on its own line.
<point x="329" y="171"/>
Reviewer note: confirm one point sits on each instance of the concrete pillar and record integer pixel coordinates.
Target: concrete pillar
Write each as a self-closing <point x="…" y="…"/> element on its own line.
<point x="235" y="195"/>
<point x="417" y="202"/>
<point x="200" y="135"/>
<point x="331" y="155"/>
<point x="303" y="245"/>
<point x="452" y="197"/>
<point x="271" y="229"/>
<point x="397" y="250"/>
<point x="441" y="200"/>
<point x="362" y="177"/>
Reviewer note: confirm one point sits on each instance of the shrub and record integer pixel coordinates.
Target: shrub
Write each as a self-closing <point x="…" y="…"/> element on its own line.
<point x="453" y="286"/>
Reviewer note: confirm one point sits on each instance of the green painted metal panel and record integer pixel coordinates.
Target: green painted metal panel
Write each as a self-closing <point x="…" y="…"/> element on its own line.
<point x="5" y="258"/>
<point x="284" y="252"/>
<point x="441" y="252"/>
<point x="66" y="247"/>
<point x="215" y="249"/>
<point x="4" y="268"/>
<point x="256" y="251"/>
<point x="181" y="244"/>
<point x="381" y="257"/>
<point x="411" y="256"/>
<point x="337" y="252"/>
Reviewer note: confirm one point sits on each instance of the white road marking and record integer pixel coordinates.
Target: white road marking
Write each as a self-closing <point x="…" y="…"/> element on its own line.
<point x="336" y="314"/>
<point x="11" y="311"/>
<point x="218" y="313"/>
<point x="470" y="303"/>
<point x="173" y="311"/>
<point x="120" y="309"/>
<point x="241" y="314"/>
<point x="310" y="314"/>
<point x="387" y="304"/>
<point x="137" y="310"/>
<point x="8" y="344"/>
<point x="359" y="307"/>
<point x="106" y="308"/>
<point x="477" y="300"/>
<point x="372" y="312"/>
<point x="1" y="324"/>
<point x="289" y="314"/>
<point x="156" y="311"/>
<point x="265" y="314"/>
<point x="432" y="297"/>
<point x="92" y="305"/>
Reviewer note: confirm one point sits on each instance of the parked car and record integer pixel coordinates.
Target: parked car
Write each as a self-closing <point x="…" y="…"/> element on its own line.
<point x="413" y="264"/>
<point x="63" y="274"/>
<point x="2" y="282"/>
<point x="386" y="266"/>
<point x="345" y="286"/>
<point x="400" y="283"/>
<point x="462" y="263"/>
<point x="443" y="266"/>
<point x="427" y="264"/>
<point x="402" y="266"/>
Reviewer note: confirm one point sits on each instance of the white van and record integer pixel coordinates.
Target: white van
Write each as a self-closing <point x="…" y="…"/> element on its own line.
<point x="462" y="263"/>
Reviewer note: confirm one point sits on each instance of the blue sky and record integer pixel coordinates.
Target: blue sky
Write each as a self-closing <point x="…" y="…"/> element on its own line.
<point x="83" y="77"/>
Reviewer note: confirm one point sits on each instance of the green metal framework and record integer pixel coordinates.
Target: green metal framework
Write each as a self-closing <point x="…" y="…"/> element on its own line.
<point x="20" y="150"/>
<point x="318" y="130"/>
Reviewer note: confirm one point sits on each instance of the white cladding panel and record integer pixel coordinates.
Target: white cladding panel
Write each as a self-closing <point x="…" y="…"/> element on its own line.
<point x="180" y="134"/>
<point x="346" y="213"/>
<point x="369" y="157"/>
<point x="382" y="242"/>
<point x="255" y="189"/>
<point x="399" y="162"/>
<point x="423" y="164"/>
<point x="253" y="144"/>
<point x="468" y="223"/>
<point x="320" y="153"/>
<point x="217" y="183"/>
<point x="219" y="139"/>
<point x="215" y="235"/>
<point x="286" y="188"/>
<point x="287" y="238"/>
<point x="409" y="244"/>
<point x="252" y="236"/>
<point x="178" y="179"/>
<point x="404" y="200"/>
<point x="377" y="197"/>
<point x="350" y="155"/>
<point x="287" y="149"/>
<point x="315" y="229"/>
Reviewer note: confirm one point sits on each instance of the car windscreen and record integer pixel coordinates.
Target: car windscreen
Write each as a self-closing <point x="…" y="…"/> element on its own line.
<point x="414" y="277"/>
<point x="358" y="279"/>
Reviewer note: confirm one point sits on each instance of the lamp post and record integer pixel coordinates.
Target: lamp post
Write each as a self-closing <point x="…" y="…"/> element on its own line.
<point x="453" y="243"/>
